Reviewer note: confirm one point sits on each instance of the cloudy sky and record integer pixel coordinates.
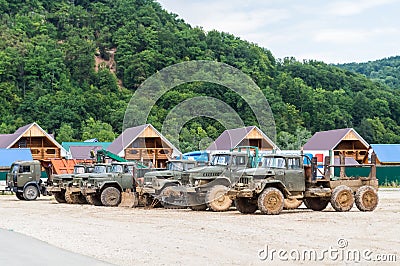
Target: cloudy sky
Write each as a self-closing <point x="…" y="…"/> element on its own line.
<point x="335" y="31"/>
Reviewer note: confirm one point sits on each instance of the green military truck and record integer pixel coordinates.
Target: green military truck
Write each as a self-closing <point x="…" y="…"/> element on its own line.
<point x="205" y="187"/>
<point x="73" y="194"/>
<point x="286" y="177"/>
<point x="109" y="188"/>
<point x="58" y="184"/>
<point x="154" y="182"/>
<point x="24" y="180"/>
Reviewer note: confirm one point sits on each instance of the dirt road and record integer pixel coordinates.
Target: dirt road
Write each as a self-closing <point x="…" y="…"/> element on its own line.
<point x="157" y="236"/>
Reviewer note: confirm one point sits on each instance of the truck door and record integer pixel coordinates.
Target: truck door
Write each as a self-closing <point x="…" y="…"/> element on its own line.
<point x="294" y="177"/>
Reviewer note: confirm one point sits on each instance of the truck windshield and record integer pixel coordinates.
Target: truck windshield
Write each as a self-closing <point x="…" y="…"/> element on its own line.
<point x="117" y="168"/>
<point x="175" y="166"/>
<point x="273" y="162"/>
<point x="221" y="159"/>
<point x="79" y="169"/>
<point x="100" y="169"/>
<point x="14" y="168"/>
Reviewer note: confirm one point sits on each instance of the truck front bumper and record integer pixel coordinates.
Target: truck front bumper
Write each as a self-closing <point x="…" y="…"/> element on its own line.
<point x="88" y="191"/>
<point x="243" y="193"/>
<point x="54" y="189"/>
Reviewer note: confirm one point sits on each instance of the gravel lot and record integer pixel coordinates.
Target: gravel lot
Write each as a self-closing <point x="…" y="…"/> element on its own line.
<point x="157" y="236"/>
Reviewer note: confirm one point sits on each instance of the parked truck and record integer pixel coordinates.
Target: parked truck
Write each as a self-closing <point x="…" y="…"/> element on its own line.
<point x="205" y="187"/>
<point x="285" y="177"/>
<point x="73" y="194"/>
<point x="57" y="184"/>
<point x="24" y="179"/>
<point x="154" y="182"/>
<point x="109" y="189"/>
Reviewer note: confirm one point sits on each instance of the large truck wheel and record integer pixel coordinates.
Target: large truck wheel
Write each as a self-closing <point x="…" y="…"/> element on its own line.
<point x="342" y="199"/>
<point x="217" y="200"/>
<point x="20" y="195"/>
<point x="60" y="197"/>
<point x="69" y="198"/>
<point x="243" y="205"/>
<point x="271" y="201"/>
<point x="110" y="197"/>
<point x="291" y="204"/>
<point x="80" y="199"/>
<point x="31" y="192"/>
<point x="316" y="204"/>
<point x="366" y="198"/>
<point x="197" y="203"/>
<point x="93" y="199"/>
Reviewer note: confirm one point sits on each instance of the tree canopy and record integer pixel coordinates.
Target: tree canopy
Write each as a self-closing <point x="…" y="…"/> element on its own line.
<point x="72" y="66"/>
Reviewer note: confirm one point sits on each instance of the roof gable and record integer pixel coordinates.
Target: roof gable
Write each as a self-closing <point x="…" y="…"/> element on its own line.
<point x="387" y="153"/>
<point x="131" y="134"/>
<point x="8" y="140"/>
<point x="232" y="137"/>
<point x="328" y="140"/>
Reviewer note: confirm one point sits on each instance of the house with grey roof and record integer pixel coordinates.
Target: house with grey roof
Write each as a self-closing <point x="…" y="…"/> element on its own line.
<point x="43" y="146"/>
<point x="245" y="136"/>
<point x="144" y="143"/>
<point x="333" y="143"/>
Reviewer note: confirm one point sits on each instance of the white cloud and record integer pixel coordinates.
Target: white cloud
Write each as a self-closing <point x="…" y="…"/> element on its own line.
<point x="348" y="36"/>
<point x="353" y="30"/>
<point x="349" y="8"/>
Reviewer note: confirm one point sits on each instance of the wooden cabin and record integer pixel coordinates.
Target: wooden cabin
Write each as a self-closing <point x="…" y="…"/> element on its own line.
<point x="42" y="145"/>
<point x="144" y="143"/>
<point x="333" y="143"/>
<point x="246" y="136"/>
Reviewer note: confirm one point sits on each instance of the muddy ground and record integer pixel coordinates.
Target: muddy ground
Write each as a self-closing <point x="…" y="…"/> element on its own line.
<point x="158" y="236"/>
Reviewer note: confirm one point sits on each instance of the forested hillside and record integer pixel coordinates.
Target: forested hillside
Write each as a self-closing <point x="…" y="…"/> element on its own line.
<point x="386" y="70"/>
<point x="49" y="50"/>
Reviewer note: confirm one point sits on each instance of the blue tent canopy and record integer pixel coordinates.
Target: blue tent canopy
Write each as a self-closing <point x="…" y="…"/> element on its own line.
<point x="8" y="156"/>
<point x="387" y="153"/>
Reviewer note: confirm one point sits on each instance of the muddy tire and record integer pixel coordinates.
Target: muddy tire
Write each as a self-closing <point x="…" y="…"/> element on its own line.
<point x="217" y="200"/>
<point x="366" y="198"/>
<point x="60" y="197"/>
<point x="31" y="192"/>
<point x="70" y="198"/>
<point x="19" y="195"/>
<point x="110" y="197"/>
<point x="316" y="204"/>
<point x="342" y="199"/>
<point x="271" y="201"/>
<point x="93" y="199"/>
<point x="196" y="203"/>
<point x="243" y="205"/>
<point x="291" y="204"/>
<point x="80" y="199"/>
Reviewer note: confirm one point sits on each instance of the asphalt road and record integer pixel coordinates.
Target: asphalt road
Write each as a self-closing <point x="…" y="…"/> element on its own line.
<point x="18" y="249"/>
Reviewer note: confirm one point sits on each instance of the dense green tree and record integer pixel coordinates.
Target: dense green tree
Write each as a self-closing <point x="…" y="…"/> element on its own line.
<point x="97" y="129"/>
<point x="55" y="69"/>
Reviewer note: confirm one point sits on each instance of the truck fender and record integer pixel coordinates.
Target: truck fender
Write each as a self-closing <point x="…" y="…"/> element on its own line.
<point x="277" y="184"/>
<point x="33" y="183"/>
<point x="170" y="184"/>
<point x="111" y="184"/>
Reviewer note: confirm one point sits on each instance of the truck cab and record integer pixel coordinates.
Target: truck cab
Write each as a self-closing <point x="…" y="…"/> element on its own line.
<point x="24" y="179"/>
